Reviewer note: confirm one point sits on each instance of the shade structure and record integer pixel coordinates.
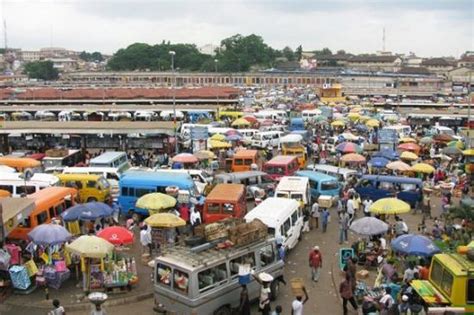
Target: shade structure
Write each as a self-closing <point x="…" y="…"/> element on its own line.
<point x="164" y="220"/>
<point x="389" y="206"/>
<point x="409" y="147"/>
<point x="155" y="202"/>
<point x="407" y="140"/>
<point x="218" y="137"/>
<point x="378" y="162"/>
<point x="233" y="135"/>
<point x="468" y="152"/>
<point x="185" y="158"/>
<point x="426" y="140"/>
<point x="423" y="168"/>
<point x="452" y="151"/>
<point x="87" y="211"/>
<point x="372" y="123"/>
<point x="443" y="138"/>
<point x="410" y="156"/>
<point x="251" y="119"/>
<point x="456" y="143"/>
<point x="205" y="155"/>
<point x="388" y="154"/>
<point x="353" y="116"/>
<point x="369" y="226"/>
<point x="398" y="166"/>
<point x="353" y="158"/>
<point x="91" y="246"/>
<point x="116" y="235"/>
<point x="49" y="234"/>
<point x="240" y="122"/>
<point x="416" y="245"/>
<point x="348" y="147"/>
<point x="349" y="136"/>
<point x="215" y="144"/>
<point x="338" y="123"/>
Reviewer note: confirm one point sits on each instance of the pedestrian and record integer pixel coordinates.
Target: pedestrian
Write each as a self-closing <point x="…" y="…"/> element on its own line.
<point x="344" y="222"/>
<point x="367" y="204"/>
<point x="315" y="216"/>
<point x="297" y="305"/>
<point x="281" y="251"/>
<point x="278" y="310"/>
<point x="194" y="218"/>
<point x="145" y="239"/>
<point x="306" y="217"/>
<point x="315" y="263"/>
<point x="347" y="295"/>
<point x="58" y="309"/>
<point x="98" y="310"/>
<point x="350" y="208"/>
<point x="400" y="226"/>
<point x="325" y="219"/>
<point x="386" y="301"/>
<point x="264" y="279"/>
<point x="409" y="273"/>
<point x="244" y="307"/>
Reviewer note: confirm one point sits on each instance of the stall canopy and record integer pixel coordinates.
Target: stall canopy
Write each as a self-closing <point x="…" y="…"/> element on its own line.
<point x="13" y="211"/>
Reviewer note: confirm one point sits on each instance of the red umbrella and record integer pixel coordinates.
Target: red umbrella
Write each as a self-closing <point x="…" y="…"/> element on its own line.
<point x="409" y="147"/>
<point x="185" y="158"/>
<point x="251" y="119"/>
<point x="116" y="235"/>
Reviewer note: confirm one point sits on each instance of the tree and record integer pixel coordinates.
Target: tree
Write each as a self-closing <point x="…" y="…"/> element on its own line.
<point x="299" y="53"/>
<point x="341" y="52"/>
<point x="95" y="56"/>
<point x="43" y="70"/>
<point x="288" y="53"/>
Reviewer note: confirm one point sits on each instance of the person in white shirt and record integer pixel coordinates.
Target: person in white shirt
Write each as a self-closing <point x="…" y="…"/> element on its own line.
<point x="386" y="301"/>
<point x="350" y="209"/>
<point x="145" y="239"/>
<point x="194" y="218"/>
<point x="314" y="223"/>
<point x="297" y="305"/>
<point x="367" y="203"/>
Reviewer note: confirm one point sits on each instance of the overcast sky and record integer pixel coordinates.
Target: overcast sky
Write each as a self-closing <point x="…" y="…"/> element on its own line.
<point x="426" y="27"/>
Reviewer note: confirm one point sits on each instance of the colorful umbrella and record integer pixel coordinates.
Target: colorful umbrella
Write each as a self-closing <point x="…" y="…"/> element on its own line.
<point x="185" y="158"/>
<point x="389" y="206"/>
<point x="458" y="144"/>
<point x="409" y="147"/>
<point x="468" y="152"/>
<point x="416" y="245"/>
<point x="49" y="234"/>
<point x="426" y="140"/>
<point x="215" y="144"/>
<point x="338" y="123"/>
<point x="348" y="147"/>
<point x="349" y="136"/>
<point x="87" y="212"/>
<point x="116" y="235"/>
<point x="218" y="137"/>
<point x="353" y="158"/>
<point x="353" y="116"/>
<point x="407" y="155"/>
<point x="398" y="166"/>
<point x="443" y="138"/>
<point x="378" y="162"/>
<point x="251" y="119"/>
<point x="369" y="226"/>
<point x="164" y="220"/>
<point x="205" y="155"/>
<point x="451" y="151"/>
<point x="91" y="246"/>
<point x="407" y="140"/>
<point x="154" y="202"/>
<point x="423" y="168"/>
<point x="372" y="123"/>
<point x="240" y="122"/>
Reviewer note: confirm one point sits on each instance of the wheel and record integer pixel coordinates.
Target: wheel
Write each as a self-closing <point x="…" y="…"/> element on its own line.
<point x="223" y="310"/>
<point x="91" y="199"/>
<point x="275" y="288"/>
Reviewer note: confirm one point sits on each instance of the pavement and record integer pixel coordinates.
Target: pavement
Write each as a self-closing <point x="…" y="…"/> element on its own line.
<point x="323" y="295"/>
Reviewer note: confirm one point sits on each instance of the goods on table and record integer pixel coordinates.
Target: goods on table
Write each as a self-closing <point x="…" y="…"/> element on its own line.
<point x="210" y="234"/>
<point x="19" y="277"/>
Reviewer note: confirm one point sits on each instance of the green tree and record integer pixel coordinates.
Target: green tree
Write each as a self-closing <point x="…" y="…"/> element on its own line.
<point x="288" y="53"/>
<point x="324" y="52"/>
<point x="95" y="56"/>
<point x="42" y="70"/>
<point x="299" y="52"/>
<point x="341" y="52"/>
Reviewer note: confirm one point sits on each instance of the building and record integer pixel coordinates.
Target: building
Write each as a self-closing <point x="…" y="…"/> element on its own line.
<point x="63" y="64"/>
<point x="208" y="49"/>
<point x="439" y="66"/>
<point x="466" y="61"/>
<point x="337" y="60"/>
<point x="375" y="63"/>
<point x="30" y="55"/>
<point x="53" y="52"/>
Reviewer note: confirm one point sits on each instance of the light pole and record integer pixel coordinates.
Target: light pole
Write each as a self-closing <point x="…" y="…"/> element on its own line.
<point x="215" y="65"/>
<point x="173" y="53"/>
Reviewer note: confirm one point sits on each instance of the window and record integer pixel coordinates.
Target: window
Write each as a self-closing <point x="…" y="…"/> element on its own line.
<point x="286" y="227"/>
<point x="141" y="191"/>
<point x="60" y="208"/>
<point x="297" y="196"/>
<point x="228" y="208"/>
<point x="329" y="185"/>
<point x="42" y="217"/>
<point x="91" y="184"/>
<point x="436" y="273"/>
<point x="213" y="208"/>
<point x="238" y="162"/>
<point x="267" y="256"/>
<point x="247" y="259"/>
<point x="294" y="217"/>
<point x="112" y="176"/>
<point x="447" y="282"/>
<point x="51" y="212"/>
<point x="125" y="191"/>
<point x="386" y="186"/>
<point x="209" y="278"/>
<point x="181" y="281"/>
<point x="408" y="187"/>
<point x="470" y="291"/>
<point x="248" y="161"/>
<point x="104" y="184"/>
<point x="163" y="275"/>
<point x="282" y="195"/>
<point x="313" y="184"/>
<point x="8" y="188"/>
<point x="25" y="190"/>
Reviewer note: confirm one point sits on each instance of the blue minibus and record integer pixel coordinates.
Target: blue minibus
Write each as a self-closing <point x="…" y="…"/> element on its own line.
<point x="376" y="187"/>
<point x="134" y="184"/>
<point x="321" y="184"/>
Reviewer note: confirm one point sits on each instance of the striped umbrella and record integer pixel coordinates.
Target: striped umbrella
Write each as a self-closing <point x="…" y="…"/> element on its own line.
<point x="348" y="147"/>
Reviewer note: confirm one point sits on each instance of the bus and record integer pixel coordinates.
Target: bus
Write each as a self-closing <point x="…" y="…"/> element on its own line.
<point x="20" y="163"/>
<point x="90" y="187"/>
<point x="49" y="203"/>
<point x="18" y="185"/>
<point x="114" y="159"/>
<point x="134" y="184"/>
<point x="57" y="164"/>
<point x="225" y="201"/>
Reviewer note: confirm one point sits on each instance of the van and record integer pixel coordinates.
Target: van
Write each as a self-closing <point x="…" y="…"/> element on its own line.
<point x="49" y="203"/>
<point x="265" y="139"/>
<point x="187" y="281"/>
<point x="296" y="188"/>
<point x="90" y="187"/>
<point x="20" y="163"/>
<point x="224" y="201"/>
<point x="18" y="186"/>
<point x="283" y="217"/>
<point x="250" y="179"/>
<point x="111" y="159"/>
<point x="243" y="160"/>
<point x="281" y="165"/>
<point x="296" y="124"/>
<point x="401" y="130"/>
<point x="112" y="174"/>
<point x="340" y="173"/>
<point x="291" y="144"/>
<point x="56" y="164"/>
<point x="310" y="114"/>
<point x="248" y="134"/>
<point x="321" y="184"/>
<point x="200" y="177"/>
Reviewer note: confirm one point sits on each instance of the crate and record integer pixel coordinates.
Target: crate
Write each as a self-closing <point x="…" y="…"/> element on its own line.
<point x="297" y="285"/>
<point x="325" y="201"/>
<point x="57" y="152"/>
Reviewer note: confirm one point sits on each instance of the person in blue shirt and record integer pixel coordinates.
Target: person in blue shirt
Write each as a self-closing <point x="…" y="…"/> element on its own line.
<point x="325" y="219"/>
<point x="281" y="252"/>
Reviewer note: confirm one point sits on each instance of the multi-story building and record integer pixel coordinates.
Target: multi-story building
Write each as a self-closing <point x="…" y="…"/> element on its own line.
<point x="30" y="55"/>
<point x="375" y="63"/>
<point x="438" y="66"/>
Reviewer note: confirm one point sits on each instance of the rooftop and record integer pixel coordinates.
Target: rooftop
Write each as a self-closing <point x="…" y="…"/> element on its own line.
<point x="373" y="58"/>
<point x="436" y="62"/>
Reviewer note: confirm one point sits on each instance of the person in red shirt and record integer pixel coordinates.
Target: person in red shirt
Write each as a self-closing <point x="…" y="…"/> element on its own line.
<point x="315" y="263"/>
<point x="424" y="270"/>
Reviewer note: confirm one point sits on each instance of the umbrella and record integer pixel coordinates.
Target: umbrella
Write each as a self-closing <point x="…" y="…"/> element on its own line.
<point x="87" y="211"/>
<point x="416" y="245"/>
<point x="348" y="147"/>
<point x="233" y="135"/>
<point x="389" y="154"/>
<point x="353" y="158"/>
<point x="456" y="143"/>
<point x="443" y="157"/>
<point x="91" y="246"/>
<point x="369" y="226"/>
<point x="266" y="123"/>
<point x="49" y="234"/>
<point x="338" y="123"/>
<point x="165" y="220"/>
<point x="407" y="140"/>
<point x="205" y="155"/>
<point x="468" y="152"/>
<point x="218" y="137"/>
<point x="426" y="140"/>
<point x="240" y="122"/>
<point x="320" y="119"/>
<point x="251" y="119"/>
<point x="364" y="119"/>
<point x="155" y="202"/>
<point x="409" y="147"/>
<point x="372" y="123"/>
<point x="423" y="168"/>
<point x="408" y="156"/>
<point x="443" y="138"/>
<point x="185" y="158"/>
<point x="389" y="206"/>
<point x="215" y="144"/>
<point x="451" y="151"/>
<point x="378" y="162"/>
<point x="398" y="166"/>
<point x="349" y="136"/>
<point x="361" y="128"/>
<point x="353" y="116"/>
<point x="116" y="235"/>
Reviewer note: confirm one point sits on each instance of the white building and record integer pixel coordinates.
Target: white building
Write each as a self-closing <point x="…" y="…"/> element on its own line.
<point x="208" y="49"/>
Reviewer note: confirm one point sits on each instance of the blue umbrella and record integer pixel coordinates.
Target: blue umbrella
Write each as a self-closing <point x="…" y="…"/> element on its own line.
<point x="388" y="154"/>
<point x="378" y="162"/>
<point x="361" y="128"/>
<point x="416" y="245"/>
<point x="87" y="211"/>
<point x="49" y="234"/>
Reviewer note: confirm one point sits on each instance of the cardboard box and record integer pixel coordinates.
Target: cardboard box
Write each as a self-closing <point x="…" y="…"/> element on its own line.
<point x="297" y="285"/>
<point x="325" y="201"/>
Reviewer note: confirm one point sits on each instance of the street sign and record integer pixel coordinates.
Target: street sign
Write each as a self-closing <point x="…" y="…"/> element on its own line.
<point x="344" y="255"/>
<point x="199" y="133"/>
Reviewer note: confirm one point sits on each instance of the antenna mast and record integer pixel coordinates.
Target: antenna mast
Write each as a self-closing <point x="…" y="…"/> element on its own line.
<point x="383" y="40"/>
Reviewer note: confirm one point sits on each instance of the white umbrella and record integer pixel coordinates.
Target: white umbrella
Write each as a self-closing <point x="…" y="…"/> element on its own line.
<point x="369" y="226"/>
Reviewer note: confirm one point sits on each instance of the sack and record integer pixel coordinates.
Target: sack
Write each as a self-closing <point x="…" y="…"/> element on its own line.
<point x="31" y="267"/>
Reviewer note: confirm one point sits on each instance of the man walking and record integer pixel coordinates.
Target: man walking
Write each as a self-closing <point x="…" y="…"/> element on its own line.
<point x="325" y="219"/>
<point x="315" y="216"/>
<point x="344" y="221"/>
<point x="345" y="289"/>
<point x="315" y="263"/>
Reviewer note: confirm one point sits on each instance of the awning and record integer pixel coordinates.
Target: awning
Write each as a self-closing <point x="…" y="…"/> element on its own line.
<point x="13" y="211"/>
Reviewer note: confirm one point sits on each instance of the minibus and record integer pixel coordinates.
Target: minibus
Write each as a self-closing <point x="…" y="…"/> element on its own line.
<point x="90" y="187"/>
<point x="310" y="114"/>
<point x="18" y="186"/>
<point x="294" y="187"/>
<point x="250" y="179"/>
<point x="342" y="174"/>
<point x="200" y="177"/>
<point x="321" y="184"/>
<point x="49" y="203"/>
<point x="281" y="165"/>
<point x="114" y="159"/>
<point x="20" y="163"/>
<point x="53" y="164"/>
<point x="224" y="201"/>
<point x="243" y="160"/>
<point x="265" y="139"/>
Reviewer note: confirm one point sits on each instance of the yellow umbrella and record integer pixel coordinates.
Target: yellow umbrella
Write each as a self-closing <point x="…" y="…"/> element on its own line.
<point x="407" y="155"/>
<point x="364" y="118"/>
<point x="218" y="137"/>
<point x="353" y="116"/>
<point x="398" y="166"/>
<point x="240" y="122"/>
<point x="389" y="206"/>
<point x="423" y="168"/>
<point x="91" y="246"/>
<point x="205" y="155"/>
<point x="215" y="144"/>
<point x="372" y="123"/>
<point x="164" y="220"/>
<point x="155" y="202"/>
<point x="407" y="139"/>
<point x="338" y="123"/>
<point x="468" y="152"/>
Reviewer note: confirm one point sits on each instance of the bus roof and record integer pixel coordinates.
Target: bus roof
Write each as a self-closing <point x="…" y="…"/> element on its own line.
<point x="78" y="176"/>
<point x="19" y="162"/>
<point x="331" y="168"/>
<point x="458" y="264"/>
<point x="398" y="179"/>
<point x="281" y="160"/>
<point x="272" y="211"/>
<point x="316" y="175"/>
<point x="292" y="183"/>
<point x="231" y="192"/>
<point x="49" y="193"/>
<point x="245" y="153"/>
<point x="69" y="152"/>
<point x="182" y="180"/>
<point x="106" y="157"/>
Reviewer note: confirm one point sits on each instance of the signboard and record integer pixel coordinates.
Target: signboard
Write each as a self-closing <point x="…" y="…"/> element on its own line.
<point x="344" y="255"/>
<point x="387" y="136"/>
<point x="199" y="133"/>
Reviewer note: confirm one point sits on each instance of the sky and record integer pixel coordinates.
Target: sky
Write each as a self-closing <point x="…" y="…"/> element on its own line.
<point x="426" y="27"/>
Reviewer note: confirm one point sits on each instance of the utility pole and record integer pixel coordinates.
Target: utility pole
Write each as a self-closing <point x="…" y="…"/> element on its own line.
<point x="173" y="83"/>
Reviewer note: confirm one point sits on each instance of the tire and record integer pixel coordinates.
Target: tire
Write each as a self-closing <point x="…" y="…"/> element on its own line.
<point x="275" y="288"/>
<point x="91" y="199"/>
<point x="223" y="310"/>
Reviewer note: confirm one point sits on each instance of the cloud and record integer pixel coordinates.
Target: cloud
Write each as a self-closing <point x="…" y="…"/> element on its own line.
<point x="428" y="27"/>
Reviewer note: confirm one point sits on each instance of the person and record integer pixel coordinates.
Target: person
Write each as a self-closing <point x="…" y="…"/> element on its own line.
<point x="424" y="270"/>
<point x="409" y="273"/>
<point x="343" y="226"/>
<point x="281" y="251"/>
<point x="264" y="279"/>
<point x="145" y="239"/>
<point x="306" y="218"/>
<point x="404" y="307"/>
<point x="194" y="218"/>
<point x="386" y="301"/>
<point x="315" y="216"/>
<point x="278" y="310"/>
<point x="367" y="203"/>
<point x="244" y="307"/>
<point x="345" y="290"/>
<point x="400" y="226"/>
<point x="58" y="309"/>
<point x="350" y="209"/>
<point x="297" y="305"/>
<point x="98" y="310"/>
<point x="388" y="271"/>
<point x="325" y="219"/>
<point x="315" y="263"/>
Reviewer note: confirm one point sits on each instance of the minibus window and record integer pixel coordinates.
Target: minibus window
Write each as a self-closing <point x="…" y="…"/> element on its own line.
<point x="25" y="190"/>
<point x="298" y="197"/>
<point x="208" y="278"/>
<point x="163" y="275"/>
<point x="104" y="184"/>
<point x="294" y="217"/>
<point x="60" y="208"/>
<point x="51" y="212"/>
<point x="408" y="187"/>
<point x="436" y="273"/>
<point x="313" y="184"/>
<point x="8" y="188"/>
<point x="286" y="227"/>
<point x="228" y="208"/>
<point x="470" y="291"/>
<point x="42" y="217"/>
<point x="386" y="186"/>
<point x="26" y="222"/>
<point x="267" y="256"/>
<point x="141" y="191"/>
<point x="213" y="208"/>
<point x="238" y="161"/>
<point x="247" y="259"/>
<point x="248" y="161"/>
<point x="124" y="191"/>
<point x="112" y="176"/>
<point x="329" y="185"/>
<point x="181" y="281"/>
<point x="447" y="282"/>
<point x="282" y="195"/>
<point x="271" y="231"/>
<point x="91" y="184"/>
